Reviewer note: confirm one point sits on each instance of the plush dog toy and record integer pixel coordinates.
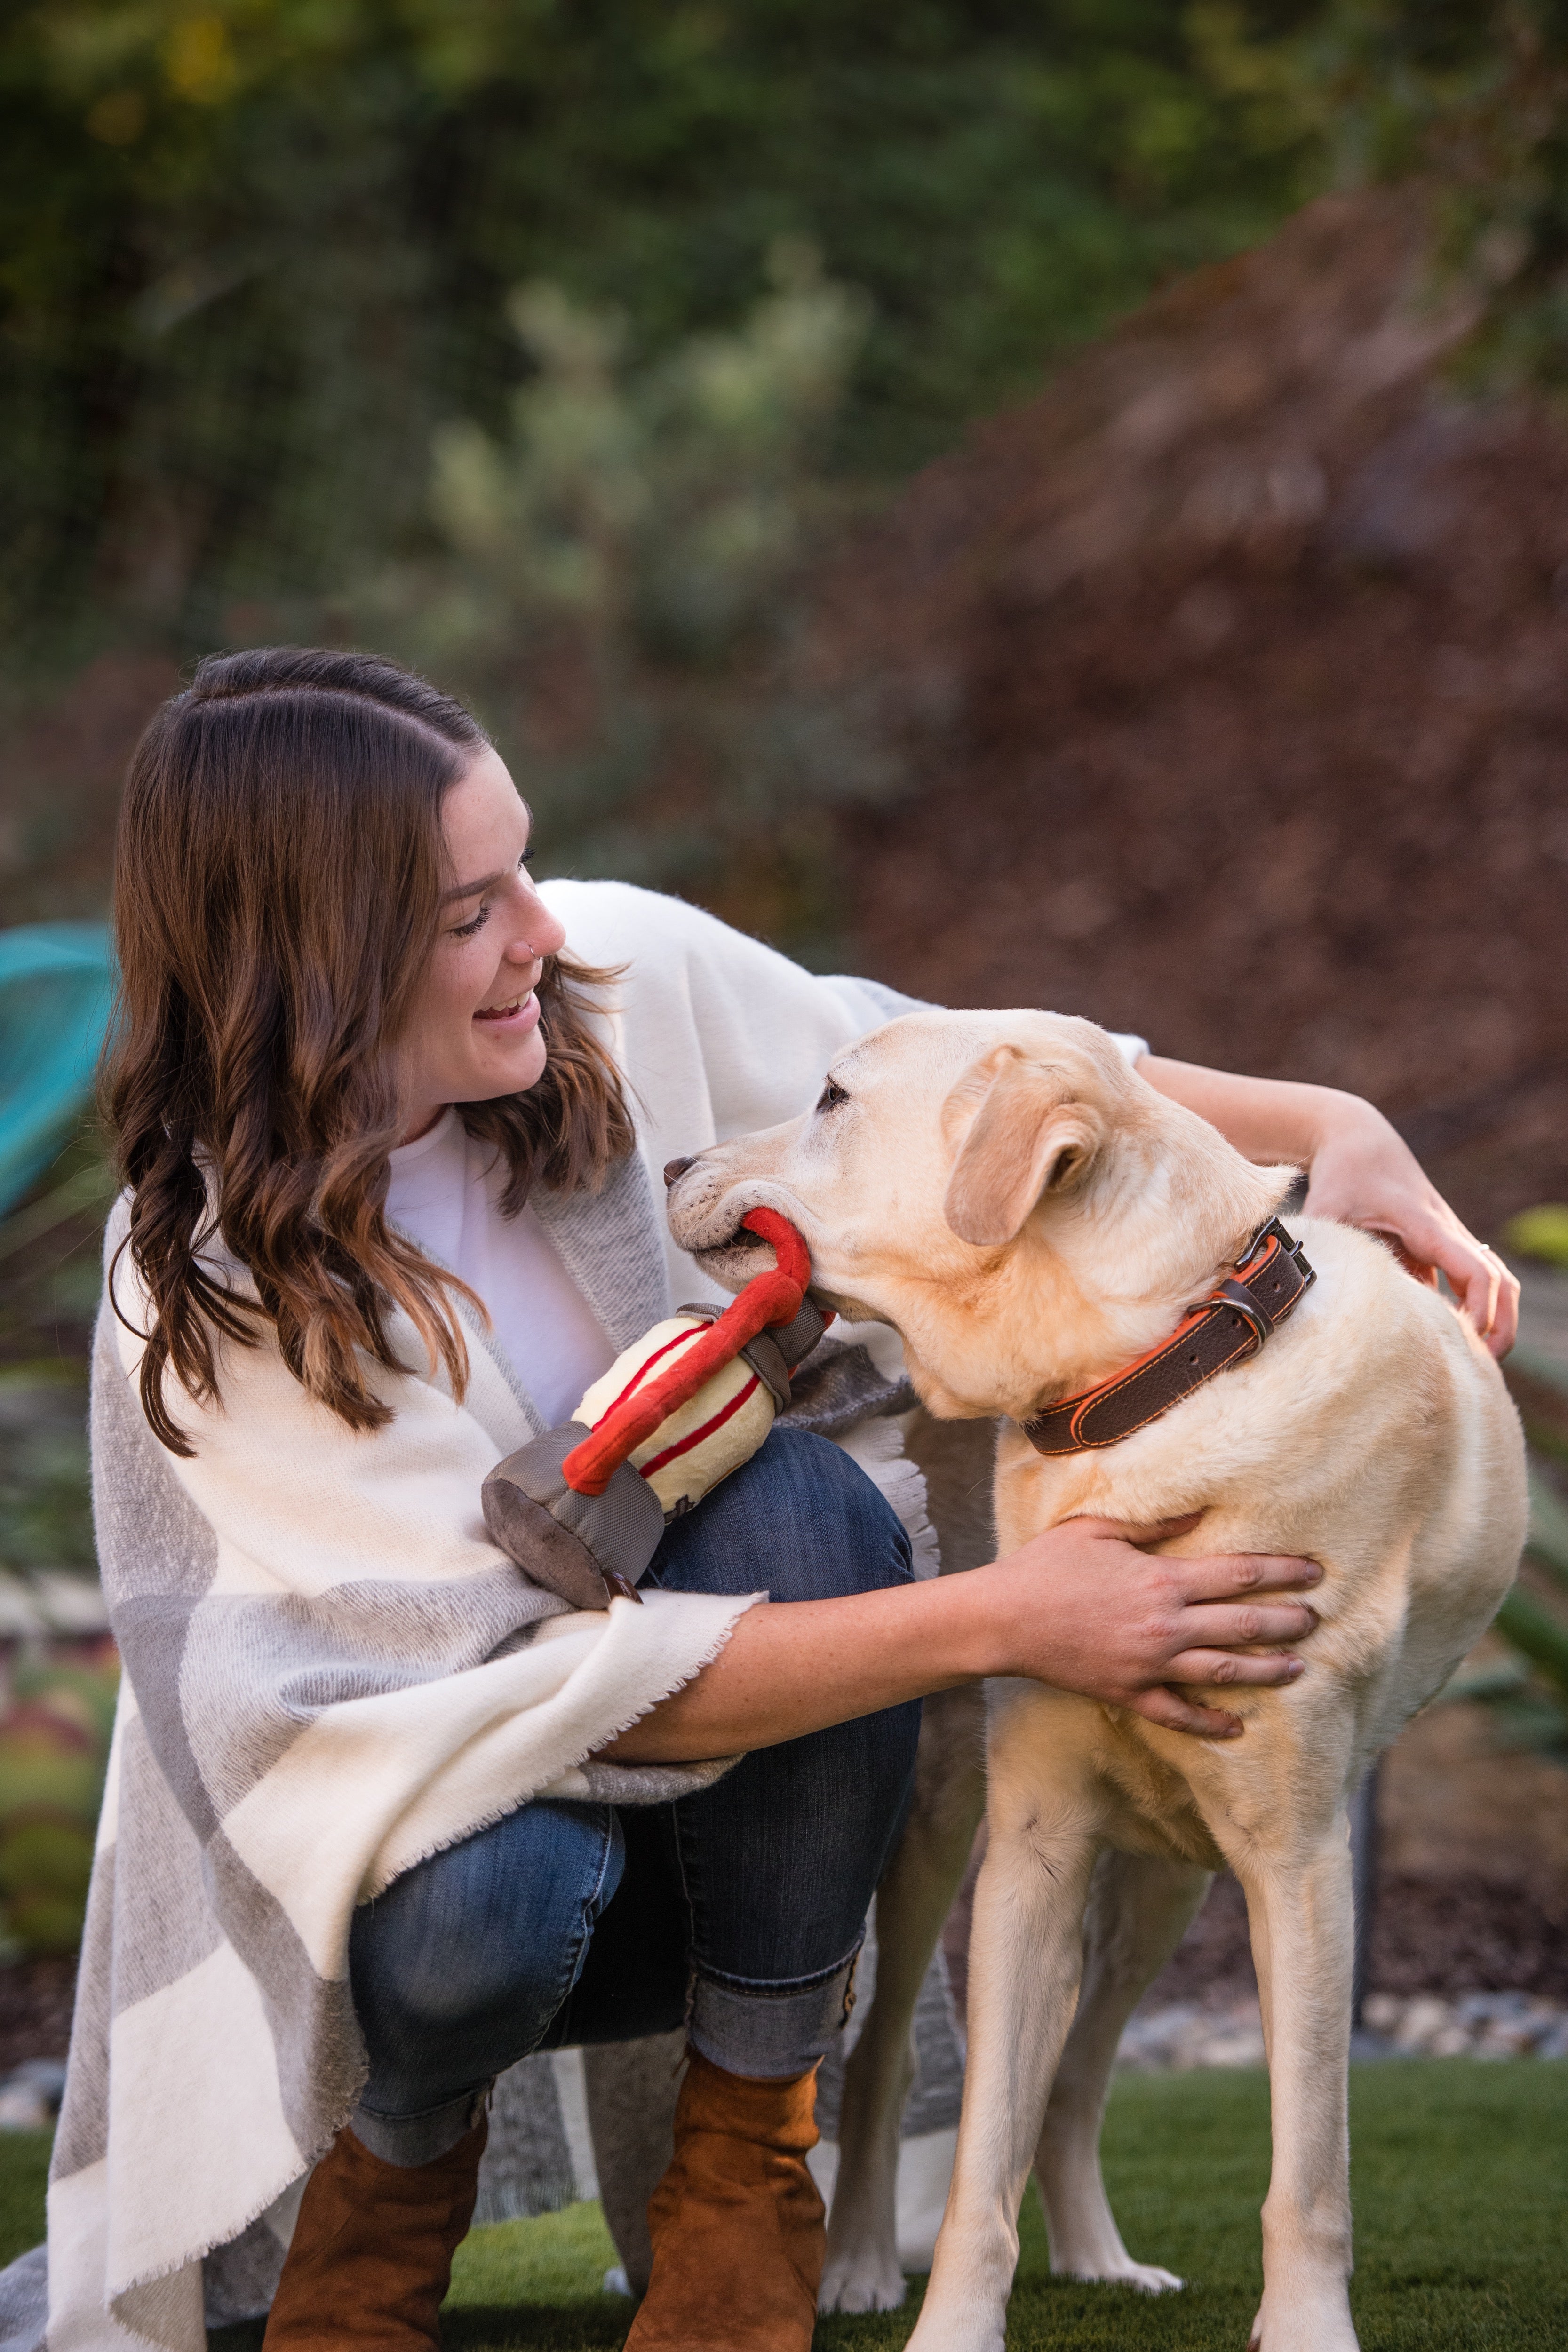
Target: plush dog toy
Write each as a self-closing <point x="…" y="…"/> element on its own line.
<point x="582" y="1508"/>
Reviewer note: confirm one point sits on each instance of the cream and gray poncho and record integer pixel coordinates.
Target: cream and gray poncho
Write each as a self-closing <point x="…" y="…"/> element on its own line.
<point x="331" y="1672"/>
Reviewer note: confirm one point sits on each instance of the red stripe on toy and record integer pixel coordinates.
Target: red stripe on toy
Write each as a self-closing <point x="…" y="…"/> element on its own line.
<point x="772" y="1297"/>
<point x="682" y="1340"/>
<point x="685" y="1444"/>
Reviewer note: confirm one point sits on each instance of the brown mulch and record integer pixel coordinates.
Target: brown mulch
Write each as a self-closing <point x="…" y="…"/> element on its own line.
<point x="35" y="1999"/>
<point x="1236" y="669"/>
<point x="1430" y="1935"/>
<point x="1492" y="1939"/>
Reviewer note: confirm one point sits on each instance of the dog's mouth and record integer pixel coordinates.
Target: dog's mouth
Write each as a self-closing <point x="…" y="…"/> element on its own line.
<point x="733" y="1260"/>
<point x="740" y="1240"/>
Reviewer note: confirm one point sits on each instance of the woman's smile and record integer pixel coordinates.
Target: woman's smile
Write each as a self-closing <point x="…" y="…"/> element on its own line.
<point x="519" y="1013"/>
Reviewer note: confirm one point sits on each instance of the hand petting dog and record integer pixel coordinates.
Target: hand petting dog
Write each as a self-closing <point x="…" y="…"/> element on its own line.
<point x="1127" y="1624"/>
<point x="1360" y="1172"/>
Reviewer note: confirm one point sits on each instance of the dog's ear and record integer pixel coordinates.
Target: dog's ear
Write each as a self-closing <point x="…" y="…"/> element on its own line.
<point x="1025" y="1140"/>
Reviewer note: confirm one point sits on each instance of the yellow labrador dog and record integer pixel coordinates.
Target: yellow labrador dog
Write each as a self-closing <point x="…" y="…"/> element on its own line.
<point x="1059" y="1245"/>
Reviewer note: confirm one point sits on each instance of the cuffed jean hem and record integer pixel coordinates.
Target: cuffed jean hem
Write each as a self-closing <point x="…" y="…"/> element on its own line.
<point x="776" y="2035"/>
<point x="421" y="2138"/>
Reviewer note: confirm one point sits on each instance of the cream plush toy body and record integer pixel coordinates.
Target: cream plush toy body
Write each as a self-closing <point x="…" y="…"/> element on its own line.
<point x="583" y="1506"/>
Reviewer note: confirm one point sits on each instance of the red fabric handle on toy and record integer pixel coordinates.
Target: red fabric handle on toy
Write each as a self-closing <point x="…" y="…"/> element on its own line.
<point x="772" y="1297"/>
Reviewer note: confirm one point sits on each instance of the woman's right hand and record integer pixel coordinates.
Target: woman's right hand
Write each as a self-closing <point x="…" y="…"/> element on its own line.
<point x="1089" y="1611"/>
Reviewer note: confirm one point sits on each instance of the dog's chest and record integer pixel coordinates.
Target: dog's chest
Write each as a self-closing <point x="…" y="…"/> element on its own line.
<point x="1032" y="1492"/>
<point x="1041" y="1744"/>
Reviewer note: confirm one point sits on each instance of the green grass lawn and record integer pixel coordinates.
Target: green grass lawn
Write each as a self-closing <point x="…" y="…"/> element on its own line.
<point x="1461" y="2193"/>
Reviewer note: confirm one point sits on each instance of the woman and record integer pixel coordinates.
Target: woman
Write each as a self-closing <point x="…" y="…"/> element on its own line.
<point x="383" y="1815"/>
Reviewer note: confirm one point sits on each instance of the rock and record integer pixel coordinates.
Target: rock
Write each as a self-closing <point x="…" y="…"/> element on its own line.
<point x="1424" y="2019"/>
<point x="1242" y="2046"/>
<point x="30" y="2094"/>
<point x="1489" y="2025"/>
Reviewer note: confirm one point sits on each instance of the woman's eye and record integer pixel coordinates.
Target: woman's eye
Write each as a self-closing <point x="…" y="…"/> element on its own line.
<point x="831" y="1093"/>
<point x="466" y="930"/>
<point x="528" y="854"/>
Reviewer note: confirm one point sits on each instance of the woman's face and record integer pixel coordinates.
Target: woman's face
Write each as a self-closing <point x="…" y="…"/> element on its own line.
<point x="475" y="1031"/>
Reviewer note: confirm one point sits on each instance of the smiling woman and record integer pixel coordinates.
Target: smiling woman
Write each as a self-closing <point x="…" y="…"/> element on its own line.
<point x="385" y="1814"/>
<point x="475" y="1033"/>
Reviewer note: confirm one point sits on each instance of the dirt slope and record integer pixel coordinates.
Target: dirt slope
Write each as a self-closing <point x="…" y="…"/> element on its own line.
<point x="1235" y="668"/>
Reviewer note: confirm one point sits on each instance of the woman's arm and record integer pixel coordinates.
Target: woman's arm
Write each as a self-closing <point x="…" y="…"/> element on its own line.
<point x="1360" y="1173"/>
<point x="1078" y="1606"/>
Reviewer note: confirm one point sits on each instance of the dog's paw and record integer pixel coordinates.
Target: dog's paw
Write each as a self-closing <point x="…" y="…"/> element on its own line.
<point x="1147" y="2277"/>
<point x="1306" y="2326"/>
<point x="861" y="2283"/>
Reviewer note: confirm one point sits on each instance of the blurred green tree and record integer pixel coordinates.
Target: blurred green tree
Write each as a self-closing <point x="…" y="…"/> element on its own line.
<point x="253" y="251"/>
<point x="1474" y="97"/>
<point x="57" y="1716"/>
<point x="622" y="591"/>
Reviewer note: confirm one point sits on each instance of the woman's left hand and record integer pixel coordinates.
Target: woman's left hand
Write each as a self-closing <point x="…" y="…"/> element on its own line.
<point x="1362" y="1174"/>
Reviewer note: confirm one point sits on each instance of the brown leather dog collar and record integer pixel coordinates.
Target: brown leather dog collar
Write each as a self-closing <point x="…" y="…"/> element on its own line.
<point x="1230" y="1325"/>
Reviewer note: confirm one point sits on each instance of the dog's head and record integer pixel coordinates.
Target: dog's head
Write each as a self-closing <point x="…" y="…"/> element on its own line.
<point x="1000" y="1187"/>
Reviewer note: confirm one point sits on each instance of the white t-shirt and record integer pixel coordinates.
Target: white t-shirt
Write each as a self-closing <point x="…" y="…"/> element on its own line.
<point x="445" y="1191"/>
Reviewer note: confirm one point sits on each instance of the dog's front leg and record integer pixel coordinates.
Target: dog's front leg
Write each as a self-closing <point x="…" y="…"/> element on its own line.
<point x="1139" y="1908"/>
<point x="863" y="2271"/>
<point x="1026" y="1958"/>
<point x="1301" y="1912"/>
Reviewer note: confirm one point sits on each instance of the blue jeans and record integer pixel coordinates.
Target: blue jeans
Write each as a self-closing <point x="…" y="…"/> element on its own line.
<point x="738" y="1910"/>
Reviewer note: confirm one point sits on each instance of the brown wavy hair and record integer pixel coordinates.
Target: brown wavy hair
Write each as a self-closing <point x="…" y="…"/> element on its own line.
<point x="278" y="885"/>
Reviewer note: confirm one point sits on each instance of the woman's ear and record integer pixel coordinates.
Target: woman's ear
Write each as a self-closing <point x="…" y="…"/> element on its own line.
<point x="1025" y="1141"/>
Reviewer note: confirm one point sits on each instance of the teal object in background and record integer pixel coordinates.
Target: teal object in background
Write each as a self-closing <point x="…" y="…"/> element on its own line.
<point x="57" y="984"/>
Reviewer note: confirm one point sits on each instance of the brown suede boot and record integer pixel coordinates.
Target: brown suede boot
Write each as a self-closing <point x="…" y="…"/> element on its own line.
<point x="372" y="2256"/>
<point x="736" y="2222"/>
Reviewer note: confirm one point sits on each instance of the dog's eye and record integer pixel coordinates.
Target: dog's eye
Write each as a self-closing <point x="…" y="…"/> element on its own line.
<point x="832" y="1093"/>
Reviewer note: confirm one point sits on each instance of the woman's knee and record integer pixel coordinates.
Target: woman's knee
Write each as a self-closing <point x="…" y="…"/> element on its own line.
<point x="499" y="1921"/>
<point x="801" y="1520"/>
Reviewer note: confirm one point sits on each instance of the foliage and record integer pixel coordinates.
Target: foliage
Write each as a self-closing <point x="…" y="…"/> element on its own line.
<point x="50" y="1253"/>
<point x="55" y="1726"/>
<point x="254" y="250"/>
<point x="1475" y="97"/>
<point x="1541" y="1231"/>
<point x="57" y="1697"/>
<point x="623" y="593"/>
<point x="44" y="1520"/>
<point x="24" y="2183"/>
<point x="666" y="500"/>
<point x="256" y="260"/>
<point x="1527" y="1688"/>
<point x="1534" y="1620"/>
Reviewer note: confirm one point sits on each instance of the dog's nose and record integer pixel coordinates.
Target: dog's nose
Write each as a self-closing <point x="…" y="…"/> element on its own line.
<point x="674" y="1168"/>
